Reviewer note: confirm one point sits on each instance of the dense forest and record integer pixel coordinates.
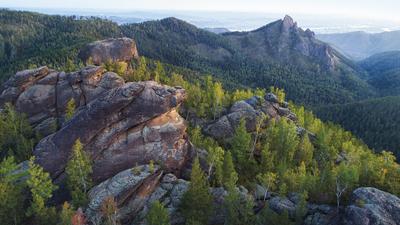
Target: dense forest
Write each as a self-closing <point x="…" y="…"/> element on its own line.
<point x="375" y="121"/>
<point x="323" y="166"/>
<point x="30" y="39"/>
<point x="383" y="72"/>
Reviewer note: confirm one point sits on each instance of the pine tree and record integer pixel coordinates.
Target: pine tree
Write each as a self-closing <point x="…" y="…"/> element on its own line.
<point x="16" y="134"/>
<point x="240" y="147"/>
<point x="10" y="193"/>
<point x="229" y="175"/>
<point x="78" y="172"/>
<point x="238" y="211"/>
<point x="67" y="212"/>
<point x="70" y="110"/>
<point x="41" y="188"/>
<point x="196" y="202"/>
<point x="157" y="215"/>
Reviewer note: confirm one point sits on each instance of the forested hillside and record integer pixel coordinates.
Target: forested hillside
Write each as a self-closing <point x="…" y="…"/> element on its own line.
<point x="31" y="39"/>
<point x="271" y="55"/>
<point x="375" y="121"/>
<point x="384" y="72"/>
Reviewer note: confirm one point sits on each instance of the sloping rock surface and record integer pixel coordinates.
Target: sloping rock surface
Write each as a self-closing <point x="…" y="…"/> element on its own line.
<point x="371" y="206"/>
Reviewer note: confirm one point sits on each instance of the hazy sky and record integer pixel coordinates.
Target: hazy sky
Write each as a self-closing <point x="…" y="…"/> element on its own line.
<point x="371" y="9"/>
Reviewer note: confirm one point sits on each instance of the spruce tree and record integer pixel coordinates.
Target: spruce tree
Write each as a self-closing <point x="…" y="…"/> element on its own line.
<point x="196" y="202"/>
<point x="229" y="177"/>
<point x="240" y="147"/>
<point x="157" y="215"/>
<point x="41" y="188"/>
<point x="78" y="172"/>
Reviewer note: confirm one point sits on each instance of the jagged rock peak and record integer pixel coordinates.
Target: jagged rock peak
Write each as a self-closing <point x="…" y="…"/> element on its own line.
<point x="288" y="22"/>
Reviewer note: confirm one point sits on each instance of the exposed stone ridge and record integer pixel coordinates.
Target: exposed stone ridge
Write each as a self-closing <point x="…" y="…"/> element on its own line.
<point x="42" y="94"/>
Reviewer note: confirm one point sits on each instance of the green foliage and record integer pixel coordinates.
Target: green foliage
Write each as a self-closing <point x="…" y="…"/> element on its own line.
<point x="16" y="135"/>
<point x="229" y="175"/>
<point x="215" y="157"/>
<point x="11" y="204"/>
<point x="268" y="181"/>
<point x="33" y="39"/>
<point x="157" y="215"/>
<point x="197" y="193"/>
<point x="70" y="109"/>
<point x="280" y="93"/>
<point x="283" y="139"/>
<point x="78" y="171"/>
<point x="346" y="178"/>
<point x="268" y="216"/>
<point x="240" y="148"/>
<point x="121" y="68"/>
<point x="372" y="120"/>
<point x="238" y="211"/>
<point x="66" y="214"/>
<point x="41" y="188"/>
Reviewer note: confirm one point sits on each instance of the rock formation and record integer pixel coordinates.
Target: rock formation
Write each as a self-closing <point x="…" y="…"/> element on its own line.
<point x="370" y="206"/>
<point x="251" y="110"/>
<point x="42" y="94"/>
<point x="113" y="49"/>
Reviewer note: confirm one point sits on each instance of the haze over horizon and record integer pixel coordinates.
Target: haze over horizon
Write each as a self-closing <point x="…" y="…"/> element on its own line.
<point x="322" y="17"/>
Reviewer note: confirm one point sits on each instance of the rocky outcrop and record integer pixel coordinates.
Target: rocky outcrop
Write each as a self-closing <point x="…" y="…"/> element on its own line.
<point x="252" y="110"/>
<point x="42" y="94"/>
<point x="128" y="125"/>
<point x="110" y="50"/>
<point x="135" y="189"/>
<point x="370" y="206"/>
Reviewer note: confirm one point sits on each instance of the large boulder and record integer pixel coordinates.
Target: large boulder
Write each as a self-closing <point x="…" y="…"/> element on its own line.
<point x="252" y="110"/>
<point x="110" y="50"/>
<point x="131" y="124"/>
<point x="370" y="206"/>
<point x="42" y="94"/>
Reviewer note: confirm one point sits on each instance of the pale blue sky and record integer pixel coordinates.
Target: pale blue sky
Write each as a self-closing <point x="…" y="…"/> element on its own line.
<point x="371" y="9"/>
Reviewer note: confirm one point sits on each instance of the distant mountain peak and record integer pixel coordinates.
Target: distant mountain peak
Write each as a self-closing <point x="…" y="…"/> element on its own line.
<point x="288" y="22"/>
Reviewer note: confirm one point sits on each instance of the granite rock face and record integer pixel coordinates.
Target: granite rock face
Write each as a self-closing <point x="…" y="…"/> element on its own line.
<point x="370" y="206"/>
<point x="110" y="50"/>
<point x="42" y="94"/>
<point x="128" y="125"/>
<point x="252" y="110"/>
